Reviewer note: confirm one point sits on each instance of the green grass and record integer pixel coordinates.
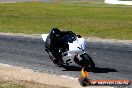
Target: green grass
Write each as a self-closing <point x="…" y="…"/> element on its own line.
<point x="87" y="19"/>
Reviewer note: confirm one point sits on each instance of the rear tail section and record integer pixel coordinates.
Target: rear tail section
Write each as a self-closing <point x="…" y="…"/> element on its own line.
<point x="44" y="36"/>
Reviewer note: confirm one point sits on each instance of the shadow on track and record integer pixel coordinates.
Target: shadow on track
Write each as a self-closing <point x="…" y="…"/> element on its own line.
<point x="72" y="68"/>
<point x="97" y="69"/>
<point x="104" y="70"/>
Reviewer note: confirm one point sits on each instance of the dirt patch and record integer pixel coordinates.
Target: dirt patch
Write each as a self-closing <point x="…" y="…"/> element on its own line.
<point x="18" y="74"/>
<point x="6" y="83"/>
<point x="33" y="79"/>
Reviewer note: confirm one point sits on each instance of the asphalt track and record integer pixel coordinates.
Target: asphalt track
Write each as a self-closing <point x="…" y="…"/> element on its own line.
<point x="113" y="60"/>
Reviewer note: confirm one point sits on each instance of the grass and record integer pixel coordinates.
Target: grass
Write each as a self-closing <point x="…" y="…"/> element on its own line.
<point x="86" y="19"/>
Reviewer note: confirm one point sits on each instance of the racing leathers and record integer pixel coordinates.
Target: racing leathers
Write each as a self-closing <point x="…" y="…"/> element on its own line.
<point x="57" y="44"/>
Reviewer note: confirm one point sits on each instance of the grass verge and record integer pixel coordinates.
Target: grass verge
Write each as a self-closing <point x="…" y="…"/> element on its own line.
<point x="87" y="19"/>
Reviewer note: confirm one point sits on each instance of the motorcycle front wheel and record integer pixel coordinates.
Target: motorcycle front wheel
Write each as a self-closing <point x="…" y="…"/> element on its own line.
<point x="87" y="62"/>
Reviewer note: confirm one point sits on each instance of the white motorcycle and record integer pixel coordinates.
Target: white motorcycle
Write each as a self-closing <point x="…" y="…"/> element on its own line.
<point x="76" y="55"/>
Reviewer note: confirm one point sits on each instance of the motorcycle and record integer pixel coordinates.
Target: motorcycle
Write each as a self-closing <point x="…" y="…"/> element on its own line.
<point x="76" y="55"/>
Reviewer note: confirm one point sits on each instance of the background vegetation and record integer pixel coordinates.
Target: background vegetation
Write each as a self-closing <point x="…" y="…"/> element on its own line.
<point x="86" y="19"/>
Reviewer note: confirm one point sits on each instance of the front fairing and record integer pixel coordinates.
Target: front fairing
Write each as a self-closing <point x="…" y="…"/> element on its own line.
<point x="78" y="46"/>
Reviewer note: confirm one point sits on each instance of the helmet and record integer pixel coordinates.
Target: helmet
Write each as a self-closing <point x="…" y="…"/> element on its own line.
<point x="55" y="32"/>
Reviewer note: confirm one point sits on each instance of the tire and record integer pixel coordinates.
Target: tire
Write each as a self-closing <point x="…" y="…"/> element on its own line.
<point x="87" y="62"/>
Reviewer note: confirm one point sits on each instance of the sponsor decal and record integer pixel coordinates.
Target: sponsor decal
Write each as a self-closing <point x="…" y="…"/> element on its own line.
<point x="85" y="81"/>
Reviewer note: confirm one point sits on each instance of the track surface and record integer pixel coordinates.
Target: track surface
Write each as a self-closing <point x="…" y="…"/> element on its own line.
<point x="113" y="61"/>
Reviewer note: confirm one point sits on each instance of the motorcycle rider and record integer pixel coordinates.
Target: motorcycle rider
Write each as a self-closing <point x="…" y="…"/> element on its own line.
<point x="56" y="44"/>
